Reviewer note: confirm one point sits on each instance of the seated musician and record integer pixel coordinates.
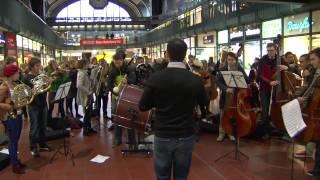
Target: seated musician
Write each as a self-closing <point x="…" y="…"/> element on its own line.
<point x="231" y="65"/>
<point x="307" y="96"/>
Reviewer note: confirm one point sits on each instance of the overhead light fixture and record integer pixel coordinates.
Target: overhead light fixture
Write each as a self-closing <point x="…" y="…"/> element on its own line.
<point x="89" y="26"/>
<point x="102" y="26"/>
<point x="129" y="26"/>
<point x="68" y="27"/>
<point x="55" y="27"/>
<point x="117" y="26"/>
<point x="109" y="26"/>
<point x="123" y="26"/>
<point x="75" y="27"/>
<point x="81" y="26"/>
<point x="62" y="27"/>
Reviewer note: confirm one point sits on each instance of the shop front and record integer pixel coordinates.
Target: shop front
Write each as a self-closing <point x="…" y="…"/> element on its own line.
<point x="206" y="47"/>
<point x="296" y="34"/>
<point x="270" y="30"/>
<point x="252" y="47"/>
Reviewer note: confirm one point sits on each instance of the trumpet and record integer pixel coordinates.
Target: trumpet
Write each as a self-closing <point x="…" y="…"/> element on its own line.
<point x="23" y="95"/>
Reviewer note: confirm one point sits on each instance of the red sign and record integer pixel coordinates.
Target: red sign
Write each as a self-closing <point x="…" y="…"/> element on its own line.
<point x="11" y="40"/>
<point x="101" y="42"/>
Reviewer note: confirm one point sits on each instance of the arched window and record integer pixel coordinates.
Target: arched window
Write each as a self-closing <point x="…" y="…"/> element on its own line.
<point x="83" y="10"/>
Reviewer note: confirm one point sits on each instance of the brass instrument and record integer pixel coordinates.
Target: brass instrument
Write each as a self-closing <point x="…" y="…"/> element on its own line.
<point x="119" y="88"/>
<point x="23" y="95"/>
<point x="102" y="78"/>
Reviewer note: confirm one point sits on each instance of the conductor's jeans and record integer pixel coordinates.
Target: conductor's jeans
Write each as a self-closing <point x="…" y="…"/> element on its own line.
<point x="316" y="169"/>
<point x="173" y="154"/>
<point x="13" y="128"/>
<point x="38" y="123"/>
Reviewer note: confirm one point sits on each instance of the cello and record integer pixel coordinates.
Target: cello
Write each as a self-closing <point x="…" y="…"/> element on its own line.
<point x="311" y="114"/>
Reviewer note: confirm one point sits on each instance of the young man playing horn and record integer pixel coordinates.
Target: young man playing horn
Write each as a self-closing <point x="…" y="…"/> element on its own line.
<point x="38" y="112"/>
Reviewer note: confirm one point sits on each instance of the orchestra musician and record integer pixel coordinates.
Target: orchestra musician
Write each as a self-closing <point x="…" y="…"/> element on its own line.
<point x="85" y="95"/>
<point x="13" y="125"/>
<point x="266" y="71"/>
<point x="315" y="61"/>
<point x="38" y="112"/>
<point x="117" y="79"/>
<point x="231" y="65"/>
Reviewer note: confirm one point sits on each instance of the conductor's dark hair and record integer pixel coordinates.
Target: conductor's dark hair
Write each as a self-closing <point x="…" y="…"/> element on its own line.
<point x="177" y="50"/>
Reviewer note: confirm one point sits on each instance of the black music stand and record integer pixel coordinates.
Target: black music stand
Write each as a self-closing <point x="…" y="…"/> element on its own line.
<point x="234" y="79"/>
<point x="60" y="95"/>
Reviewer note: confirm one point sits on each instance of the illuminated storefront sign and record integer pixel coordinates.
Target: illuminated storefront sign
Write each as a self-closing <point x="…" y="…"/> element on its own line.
<point x="271" y="28"/>
<point x="299" y="26"/>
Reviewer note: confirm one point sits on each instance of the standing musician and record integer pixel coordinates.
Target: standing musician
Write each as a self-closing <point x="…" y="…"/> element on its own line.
<point x="38" y="112"/>
<point x="266" y="71"/>
<point x="306" y="99"/>
<point x="231" y="65"/>
<point x="101" y="88"/>
<point x="174" y="92"/>
<point x="117" y="79"/>
<point x="13" y="125"/>
<point x="84" y="95"/>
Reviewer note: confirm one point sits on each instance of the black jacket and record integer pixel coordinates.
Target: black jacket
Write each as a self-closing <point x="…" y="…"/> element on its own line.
<point x="223" y="86"/>
<point x="113" y="73"/>
<point x="174" y="93"/>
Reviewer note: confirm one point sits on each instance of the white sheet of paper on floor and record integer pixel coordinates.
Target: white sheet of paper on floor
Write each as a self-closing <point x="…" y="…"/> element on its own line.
<point x="99" y="159"/>
<point x="4" y="151"/>
<point x="292" y="118"/>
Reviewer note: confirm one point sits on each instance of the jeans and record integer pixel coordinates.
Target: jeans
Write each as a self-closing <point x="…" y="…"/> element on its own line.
<point x="13" y="128"/>
<point x="69" y="105"/>
<point x="316" y="169"/>
<point x="87" y="115"/>
<point x="38" y="124"/>
<point x="173" y="154"/>
<point x="265" y="102"/>
<point x="104" y="104"/>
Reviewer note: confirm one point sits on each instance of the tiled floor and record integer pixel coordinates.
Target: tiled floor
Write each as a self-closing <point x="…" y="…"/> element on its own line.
<point x="268" y="160"/>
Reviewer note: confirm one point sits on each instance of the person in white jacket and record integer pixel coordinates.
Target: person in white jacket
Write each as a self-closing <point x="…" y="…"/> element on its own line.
<point x="84" y="95"/>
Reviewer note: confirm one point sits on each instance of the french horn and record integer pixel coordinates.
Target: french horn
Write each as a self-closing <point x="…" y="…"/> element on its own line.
<point x="23" y="95"/>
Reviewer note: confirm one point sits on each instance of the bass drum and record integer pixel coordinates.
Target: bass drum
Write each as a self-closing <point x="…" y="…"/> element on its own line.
<point x="128" y="114"/>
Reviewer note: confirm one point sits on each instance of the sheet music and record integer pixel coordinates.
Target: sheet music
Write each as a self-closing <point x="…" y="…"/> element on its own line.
<point x="62" y="91"/>
<point x="234" y="79"/>
<point x="100" y="159"/>
<point x="292" y="117"/>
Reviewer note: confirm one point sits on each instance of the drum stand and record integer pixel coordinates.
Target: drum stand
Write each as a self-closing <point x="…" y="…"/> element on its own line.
<point x="236" y="151"/>
<point x="133" y="144"/>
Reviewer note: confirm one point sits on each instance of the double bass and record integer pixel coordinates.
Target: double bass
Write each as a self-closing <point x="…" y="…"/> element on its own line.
<point x="283" y="92"/>
<point x="239" y="118"/>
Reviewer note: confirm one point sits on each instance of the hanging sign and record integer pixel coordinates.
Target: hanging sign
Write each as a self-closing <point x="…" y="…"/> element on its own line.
<point x="101" y="42"/>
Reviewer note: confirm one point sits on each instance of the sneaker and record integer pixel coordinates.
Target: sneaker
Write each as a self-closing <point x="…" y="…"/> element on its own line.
<point x="309" y="173"/>
<point x="231" y="138"/>
<point x="301" y="154"/>
<point x="220" y="137"/>
<point x="35" y="153"/>
<point x="46" y="148"/>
